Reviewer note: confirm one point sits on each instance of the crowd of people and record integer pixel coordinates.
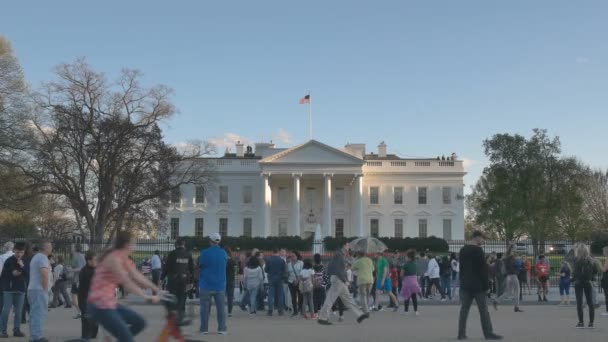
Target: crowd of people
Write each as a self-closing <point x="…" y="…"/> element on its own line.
<point x="284" y="282"/>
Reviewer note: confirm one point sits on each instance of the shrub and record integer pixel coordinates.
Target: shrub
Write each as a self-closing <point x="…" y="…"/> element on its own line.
<point x="432" y="244"/>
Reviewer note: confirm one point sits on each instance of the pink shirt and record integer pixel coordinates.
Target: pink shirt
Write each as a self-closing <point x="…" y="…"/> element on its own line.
<point x="104" y="283"/>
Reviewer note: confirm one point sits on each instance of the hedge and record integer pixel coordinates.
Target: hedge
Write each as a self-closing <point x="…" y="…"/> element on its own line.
<point x="600" y="240"/>
<point x="431" y="244"/>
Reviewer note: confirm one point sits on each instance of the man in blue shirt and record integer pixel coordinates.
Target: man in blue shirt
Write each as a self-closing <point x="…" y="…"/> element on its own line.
<point x="212" y="283"/>
<point x="275" y="268"/>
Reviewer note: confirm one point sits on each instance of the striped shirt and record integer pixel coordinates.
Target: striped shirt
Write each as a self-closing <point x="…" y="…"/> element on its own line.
<point x="104" y="283"/>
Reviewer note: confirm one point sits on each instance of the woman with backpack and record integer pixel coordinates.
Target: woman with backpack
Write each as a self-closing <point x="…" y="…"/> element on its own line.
<point x="253" y="278"/>
<point x="306" y="288"/>
<point x="582" y="275"/>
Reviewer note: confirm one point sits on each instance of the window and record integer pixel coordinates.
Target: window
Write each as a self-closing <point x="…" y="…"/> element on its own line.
<point x="339" y="228"/>
<point x="198" y="227"/>
<point x="247" y="194"/>
<point x="174" y="228"/>
<point x="223" y="194"/>
<point x="339" y="196"/>
<point x="199" y="196"/>
<point x="398" y="196"/>
<point x="422" y="228"/>
<point x="175" y="196"/>
<point x="447" y="229"/>
<point x="399" y="228"/>
<point x="422" y="195"/>
<point x="282" y="226"/>
<point x="247" y="227"/>
<point x="447" y="195"/>
<point x="224" y="227"/>
<point x="374" y="193"/>
<point x="374" y="225"/>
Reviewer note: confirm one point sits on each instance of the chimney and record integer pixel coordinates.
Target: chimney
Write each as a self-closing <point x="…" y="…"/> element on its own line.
<point x="357" y="150"/>
<point x="454" y="156"/>
<point x="240" y="149"/>
<point x="382" y="150"/>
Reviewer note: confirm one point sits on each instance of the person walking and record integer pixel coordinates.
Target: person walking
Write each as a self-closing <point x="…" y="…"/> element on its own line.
<point x="364" y="267"/>
<point x="253" y="279"/>
<point x="433" y="274"/>
<point x="319" y="283"/>
<point x="7" y="252"/>
<point x="89" y="327"/>
<point x="306" y="288"/>
<point x="12" y="280"/>
<point x="60" y="276"/>
<point x="474" y="284"/>
<point x="231" y="270"/>
<point x="157" y="267"/>
<point x="455" y="270"/>
<point x="212" y="284"/>
<point x="501" y="274"/>
<point x="179" y="271"/>
<point x="383" y="279"/>
<point x="445" y="273"/>
<point x="275" y="269"/>
<point x="410" y="288"/>
<point x="565" y="273"/>
<point x="339" y="289"/>
<point x="605" y="279"/>
<point x="582" y="276"/>
<point x="38" y="291"/>
<point x="294" y="268"/>
<point x="421" y="266"/>
<point x="511" y="281"/>
<point x="78" y="262"/>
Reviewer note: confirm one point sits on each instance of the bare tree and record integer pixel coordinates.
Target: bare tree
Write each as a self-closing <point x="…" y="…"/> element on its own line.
<point x="98" y="144"/>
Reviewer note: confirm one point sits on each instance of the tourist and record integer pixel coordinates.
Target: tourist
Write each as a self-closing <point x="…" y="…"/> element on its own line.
<point x="421" y="266"/>
<point x="383" y="280"/>
<point x="179" y="270"/>
<point x="528" y="268"/>
<point x="7" y="252"/>
<point x="542" y="269"/>
<point x="115" y="268"/>
<point x="582" y="276"/>
<point x="394" y="275"/>
<point x="445" y="274"/>
<point x="27" y="258"/>
<point x="521" y="276"/>
<point x="212" y="284"/>
<point x="60" y="276"/>
<point x="12" y="280"/>
<point x="500" y="274"/>
<point x="337" y="272"/>
<point x="146" y="268"/>
<point x="294" y="268"/>
<point x="231" y="270"/>
<point x="565" y="273"/>
<point x="253" y="279"/>
<point x="306" y="289"/>
<point x="434" y="278"/>
<point x="275" y="269"/>
<point x="41" y="278"/>
<point x="410" y="288"/>
<point x="605" y="279"/>
<point x="319" y="283"/>
<point x="455" y="269"/>
<point x="491" y="262"/>
<point x="473" y="286"/>
<point x="511" y="281"/>
<point x="157" y="267"/>
<point x="89" y="327"/>
<point x="78" y="262"/>
<point x="364" y="267"/>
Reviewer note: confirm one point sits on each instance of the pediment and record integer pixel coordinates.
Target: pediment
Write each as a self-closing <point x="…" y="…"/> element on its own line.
<point x="175" y="212"/>
<point x="423" y="213"/>
<point x="399" y="213"/>
<point x="223" y="212"/>
<point x="313" y="152"/>
<point x="374" y="213"/>
<point x="447" y="213"/>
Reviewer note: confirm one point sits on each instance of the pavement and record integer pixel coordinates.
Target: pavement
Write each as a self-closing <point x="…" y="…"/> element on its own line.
<point x="435" y="323"/>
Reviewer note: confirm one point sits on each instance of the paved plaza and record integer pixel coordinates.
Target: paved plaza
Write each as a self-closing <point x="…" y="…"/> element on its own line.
<point x="436" y="323"/>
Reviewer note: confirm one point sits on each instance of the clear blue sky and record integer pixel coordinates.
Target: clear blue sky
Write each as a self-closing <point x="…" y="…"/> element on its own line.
<point x="428" y="77"/>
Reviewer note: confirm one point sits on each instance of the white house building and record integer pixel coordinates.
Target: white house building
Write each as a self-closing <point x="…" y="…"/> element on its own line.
<point x="287" y="192"/>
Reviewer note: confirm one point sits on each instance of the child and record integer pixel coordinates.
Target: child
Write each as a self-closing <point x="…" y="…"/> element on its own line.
<point x="564" y="283"/>
<point x="306" y="288"/>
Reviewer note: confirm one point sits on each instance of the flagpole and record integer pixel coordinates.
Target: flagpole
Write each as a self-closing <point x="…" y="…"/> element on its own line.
<point x="309" y="115"/>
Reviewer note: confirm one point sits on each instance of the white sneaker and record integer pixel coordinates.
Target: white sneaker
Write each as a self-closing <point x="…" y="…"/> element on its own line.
<point x="222" y="333"/>
<point x="204" y="333"/>
<point x="341" y="319"/>
<point x="604" y="314"/>
<point x="417" y="313"/>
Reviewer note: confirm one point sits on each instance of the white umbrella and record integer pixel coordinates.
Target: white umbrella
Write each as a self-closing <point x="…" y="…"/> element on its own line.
<point x="368" y="245"/>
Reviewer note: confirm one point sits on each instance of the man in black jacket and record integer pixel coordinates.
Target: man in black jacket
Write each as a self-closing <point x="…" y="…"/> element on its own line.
<point x="13" y="282"/>
<point x="179" y="270"/>
<point x="474" y="284"/>
<point x="89" y="327"/>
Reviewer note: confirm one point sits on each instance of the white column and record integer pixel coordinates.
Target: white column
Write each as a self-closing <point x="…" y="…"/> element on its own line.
<point x="358" y="209"/>
<point x="327" y="206"/>
<point x="295" y="210"/>
<point x="266" y="212"/>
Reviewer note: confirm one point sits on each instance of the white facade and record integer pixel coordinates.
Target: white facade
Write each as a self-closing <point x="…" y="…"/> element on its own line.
<point x="275" y="192"/>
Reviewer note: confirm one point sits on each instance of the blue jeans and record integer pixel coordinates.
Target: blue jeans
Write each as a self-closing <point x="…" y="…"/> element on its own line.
<point x="253" y="296"/>
<point x="446" y="285"/>
<point x="564" y="286"/>
<point x="122" y="322"/>
<point x="275" y="289"/>
<point x="14" y="299"/>
<point x="220" y="303"/>
<point x="39" y="307"/>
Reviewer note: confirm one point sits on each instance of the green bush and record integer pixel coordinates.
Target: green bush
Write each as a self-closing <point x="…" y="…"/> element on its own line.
<point x="600" y="240"/>
<point x="431" y="244"/>
<point x="294" y="243"/>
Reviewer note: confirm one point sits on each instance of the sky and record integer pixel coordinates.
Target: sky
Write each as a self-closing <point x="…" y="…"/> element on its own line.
<point x="427" y="77"/>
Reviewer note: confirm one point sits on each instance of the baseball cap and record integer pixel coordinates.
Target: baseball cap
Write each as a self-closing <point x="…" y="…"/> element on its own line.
<point x="215" y="237"/>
